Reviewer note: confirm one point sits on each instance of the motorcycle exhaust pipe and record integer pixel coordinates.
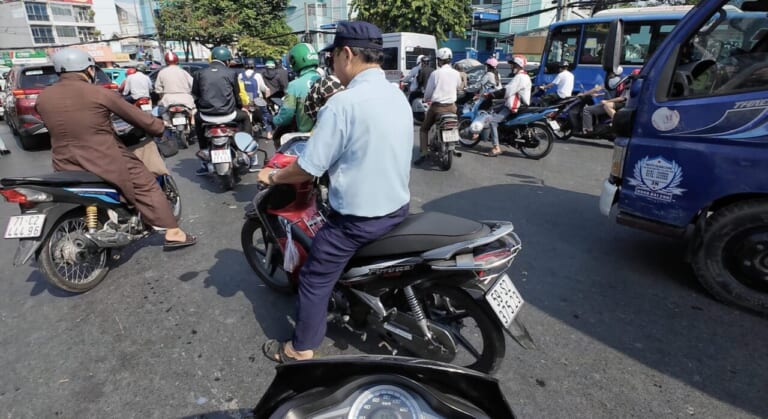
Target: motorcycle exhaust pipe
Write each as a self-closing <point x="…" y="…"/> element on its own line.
<point x="457" y="153"/>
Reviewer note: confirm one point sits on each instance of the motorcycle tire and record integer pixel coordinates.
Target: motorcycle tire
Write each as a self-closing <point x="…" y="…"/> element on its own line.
<point x="181" y="138"/>
<point x="227" y="181"/>
<point x="464" y="128"/>
<point x="173" y="195"/>
<point x="543" y="136"/>
<point x="449" y="308"/>
<point x="446" y="158"/>
<point x="254" y="240"/>
<point x="65" y="272"/>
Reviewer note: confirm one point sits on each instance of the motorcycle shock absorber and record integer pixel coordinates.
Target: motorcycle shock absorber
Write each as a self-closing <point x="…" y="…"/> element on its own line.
<point x="92" y="218"/>
<point x="418" y="312"/>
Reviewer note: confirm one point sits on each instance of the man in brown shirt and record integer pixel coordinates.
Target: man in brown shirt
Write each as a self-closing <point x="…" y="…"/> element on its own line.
<point x="77" y="114"/>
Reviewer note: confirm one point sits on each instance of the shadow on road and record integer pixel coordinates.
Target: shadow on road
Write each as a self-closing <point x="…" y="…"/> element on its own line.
<point x="244" y="190"/>
<point x="626" y="289"/>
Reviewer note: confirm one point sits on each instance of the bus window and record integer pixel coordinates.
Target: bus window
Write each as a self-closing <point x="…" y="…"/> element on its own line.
<point x="563" y="43"/>
<point x="594" y="41"/>
<point x="390" y="59"/>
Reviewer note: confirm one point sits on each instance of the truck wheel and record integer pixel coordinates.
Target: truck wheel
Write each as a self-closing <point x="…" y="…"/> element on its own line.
<point x="731" y="260"/>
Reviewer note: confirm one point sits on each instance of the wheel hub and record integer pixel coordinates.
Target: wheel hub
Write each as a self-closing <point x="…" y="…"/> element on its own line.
<point x="752" y="255"/>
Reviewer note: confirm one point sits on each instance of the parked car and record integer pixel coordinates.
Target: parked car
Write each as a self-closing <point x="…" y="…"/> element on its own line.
<point x="25" y="82"/>
<point x="117" y="74"/>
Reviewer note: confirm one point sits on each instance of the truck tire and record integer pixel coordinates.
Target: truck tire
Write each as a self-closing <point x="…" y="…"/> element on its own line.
<point x="731" y="255"/>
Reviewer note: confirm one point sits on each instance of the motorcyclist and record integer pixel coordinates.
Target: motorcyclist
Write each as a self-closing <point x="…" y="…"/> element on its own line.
<point x="491" y="80"/>
<point x="517" y="94"/>
<point x="304" y="61"/>
<point x="564" y="82"/>
<point x="322" y="90"/>
<point x="174" y="85"/>
<point x="276" y="80"/>
<point x="137" y="85"/>
<point x="128" y="72"/>
<point x="414" y="90"/>
<point x="77" y="113"/>
<point x="441" y="90"/>
<point x="589" y="112"/>
<point x="217" y="94"/>
<point x="257" y="92"/>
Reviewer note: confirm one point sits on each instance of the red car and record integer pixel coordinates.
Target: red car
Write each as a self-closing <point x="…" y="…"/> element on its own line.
<point x="24" y="83"/>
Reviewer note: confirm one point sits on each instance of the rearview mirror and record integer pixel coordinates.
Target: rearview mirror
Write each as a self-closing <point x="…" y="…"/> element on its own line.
<point x="613" y="47"/>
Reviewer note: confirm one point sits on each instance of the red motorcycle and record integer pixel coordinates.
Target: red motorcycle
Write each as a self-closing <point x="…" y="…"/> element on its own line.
<point x="435" y="286"/>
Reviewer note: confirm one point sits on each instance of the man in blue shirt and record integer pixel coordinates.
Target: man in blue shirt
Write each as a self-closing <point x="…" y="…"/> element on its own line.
<point x="363" y="139"/>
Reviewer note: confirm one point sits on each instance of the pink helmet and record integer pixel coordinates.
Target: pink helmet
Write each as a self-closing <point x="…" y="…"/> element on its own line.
<point x="518" y="60"/>
<point x="492" y="62"/>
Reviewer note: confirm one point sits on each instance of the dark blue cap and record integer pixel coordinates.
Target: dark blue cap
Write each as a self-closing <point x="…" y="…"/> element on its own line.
<point x="356" y="34"/>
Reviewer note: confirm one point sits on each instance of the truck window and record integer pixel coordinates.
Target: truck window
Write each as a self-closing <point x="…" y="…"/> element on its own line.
<point x="390" y="59"/>
<point x="728" y="55"/>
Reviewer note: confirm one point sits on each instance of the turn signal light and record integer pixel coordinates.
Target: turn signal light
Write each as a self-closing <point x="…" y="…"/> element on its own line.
<point x="26" y="93"/>
<point x="13" y="196"/>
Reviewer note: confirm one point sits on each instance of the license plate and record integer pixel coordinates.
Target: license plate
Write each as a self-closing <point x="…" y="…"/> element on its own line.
<point x="553" y="124"/>
<point x="179" y="120"/>
<point x="25" y="226"/>
<point x="146" y="107"/>
<point x="451" y="136"/>
<point x="221" y="156"/>
<point x="505" y="300"/>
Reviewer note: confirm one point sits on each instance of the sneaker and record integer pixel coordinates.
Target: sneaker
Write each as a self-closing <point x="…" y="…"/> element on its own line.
<point x="202" y="171"/>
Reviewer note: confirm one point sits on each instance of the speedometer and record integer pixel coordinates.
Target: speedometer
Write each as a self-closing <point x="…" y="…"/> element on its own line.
<point x="385" y="402"/>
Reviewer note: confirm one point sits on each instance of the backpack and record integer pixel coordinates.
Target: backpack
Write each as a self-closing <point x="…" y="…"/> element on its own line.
<point x="251" y="85"/>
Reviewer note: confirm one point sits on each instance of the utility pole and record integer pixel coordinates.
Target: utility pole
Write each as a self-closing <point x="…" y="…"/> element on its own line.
<point x="559" y="14"/>
<point x="306" y="22"/>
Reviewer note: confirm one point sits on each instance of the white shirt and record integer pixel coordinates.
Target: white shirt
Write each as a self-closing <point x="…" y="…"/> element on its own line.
<point x="411" y="77"/>
<point x="518" y="90"/>
<point x="564" y="83"/>
<point x="137" y="85"/>
<point x="442" y="85"/>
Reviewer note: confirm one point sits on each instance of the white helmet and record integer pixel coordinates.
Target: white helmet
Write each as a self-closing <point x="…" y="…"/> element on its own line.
<point x="419" y="58"/>
<point x="444" y="54"/>
<point x="72" y="60"/>
<point x="518" y="61"/>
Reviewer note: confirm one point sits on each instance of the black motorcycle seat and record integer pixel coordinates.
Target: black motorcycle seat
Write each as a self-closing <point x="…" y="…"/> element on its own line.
<point x="218" y="124"/>
<point x="54" y="179"/>
<point x="421" y="232"/>
<point x="531" y="109"/>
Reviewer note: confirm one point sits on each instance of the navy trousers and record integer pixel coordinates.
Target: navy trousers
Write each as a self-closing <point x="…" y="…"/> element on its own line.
<point x="332" y="248"/>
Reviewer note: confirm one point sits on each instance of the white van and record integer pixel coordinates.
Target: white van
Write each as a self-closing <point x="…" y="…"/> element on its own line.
<point x="401" y="50"/>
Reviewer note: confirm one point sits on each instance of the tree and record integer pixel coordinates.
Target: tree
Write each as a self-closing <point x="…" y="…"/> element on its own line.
<point x="437" y="17"/>
<point x="217" y="22"/>
<point x="272" y="43"/>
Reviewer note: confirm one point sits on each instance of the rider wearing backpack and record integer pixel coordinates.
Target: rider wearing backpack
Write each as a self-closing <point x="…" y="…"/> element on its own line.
<point x="257" y="91"/>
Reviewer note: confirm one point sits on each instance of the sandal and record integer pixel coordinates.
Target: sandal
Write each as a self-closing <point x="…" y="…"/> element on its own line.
<point x="171" y="245"/>
<point x="275" y="351"/>
<point x="492" y="154"/>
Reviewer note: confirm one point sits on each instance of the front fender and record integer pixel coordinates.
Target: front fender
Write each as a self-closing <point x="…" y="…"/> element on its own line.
<point x="28" y="247"/>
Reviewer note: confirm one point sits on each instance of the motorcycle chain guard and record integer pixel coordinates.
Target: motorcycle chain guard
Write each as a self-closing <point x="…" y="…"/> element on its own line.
<point x="404" y="331"/>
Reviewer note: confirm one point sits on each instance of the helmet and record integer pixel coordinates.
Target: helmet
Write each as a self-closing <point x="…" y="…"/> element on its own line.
<point x="269" y="64"/>
<point x="302" y="56"/>
<point x="171" y="58"/>
<point x="72" y="60"/>
<point x="249" y="62"/>
<point x="518" y="61"/>
<point x="142" y="67"/>
<point x="221" y="53"/>
<point x="492" y="62"/>
<point x="130" y="71"/>
<point x="619" y="70"/>
<point x="444" y="54"/>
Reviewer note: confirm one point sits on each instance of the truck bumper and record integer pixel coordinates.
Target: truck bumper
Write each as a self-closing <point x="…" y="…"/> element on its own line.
<point x="608" y="196"/>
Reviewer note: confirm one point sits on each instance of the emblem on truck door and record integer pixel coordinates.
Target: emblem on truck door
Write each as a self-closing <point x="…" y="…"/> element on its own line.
<point x="657" y="179"/>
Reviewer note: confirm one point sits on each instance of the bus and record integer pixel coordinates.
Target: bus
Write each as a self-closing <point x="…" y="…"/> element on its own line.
<point x="401" y="49"/>
<point x="580" y="42"/>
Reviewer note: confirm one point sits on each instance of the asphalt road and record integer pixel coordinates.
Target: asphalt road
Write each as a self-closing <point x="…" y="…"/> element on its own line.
<point x="622" y="327"/>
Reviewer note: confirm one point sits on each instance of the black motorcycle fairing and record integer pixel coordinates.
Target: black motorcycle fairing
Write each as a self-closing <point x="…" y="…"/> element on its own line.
<point x="53" y="212"/>
<point x="54" y="179"/>
<point x="422" y="232"/>
<point x="449" y="390"/>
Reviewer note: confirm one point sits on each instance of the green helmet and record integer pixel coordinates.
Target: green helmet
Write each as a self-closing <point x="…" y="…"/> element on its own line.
<point x="302" y="56"/>
<point x="221" y="53"/>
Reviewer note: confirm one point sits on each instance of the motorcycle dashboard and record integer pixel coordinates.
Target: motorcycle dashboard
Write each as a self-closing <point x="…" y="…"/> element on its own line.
<point x="377" y="397"/>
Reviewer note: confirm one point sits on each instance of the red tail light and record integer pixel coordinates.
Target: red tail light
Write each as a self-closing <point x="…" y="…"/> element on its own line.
<point x="177" y="109"/>
<point x="220" y="131"/>
<point x="13" y="196"/>
<point x="26" y="93"/>
<point x="112" y="86"/>
<point x="142" y="101"/>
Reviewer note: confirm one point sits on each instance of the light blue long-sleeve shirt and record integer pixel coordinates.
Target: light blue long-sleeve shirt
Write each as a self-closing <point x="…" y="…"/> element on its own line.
<point x="363" y="139"/>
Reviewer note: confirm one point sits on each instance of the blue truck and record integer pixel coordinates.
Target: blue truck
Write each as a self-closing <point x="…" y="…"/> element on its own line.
<point x="691" y="155"/>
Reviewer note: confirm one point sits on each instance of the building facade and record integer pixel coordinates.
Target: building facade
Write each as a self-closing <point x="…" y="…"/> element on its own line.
<point x="39" y="24"/>
<point x="316" y="19"/>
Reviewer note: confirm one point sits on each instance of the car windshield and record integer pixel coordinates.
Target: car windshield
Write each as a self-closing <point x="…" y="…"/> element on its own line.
<point x="41" y="77"/>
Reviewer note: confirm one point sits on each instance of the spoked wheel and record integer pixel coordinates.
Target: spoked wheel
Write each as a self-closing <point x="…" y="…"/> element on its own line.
<point x="540" y="142"/>
<point x="446" y="158"/>
<point x="265" y="256"/>
<point x="465" y="137"/>
<point x="69" y="261"/>
<point x="479" y="339"/>
<point x="173" y="195"/>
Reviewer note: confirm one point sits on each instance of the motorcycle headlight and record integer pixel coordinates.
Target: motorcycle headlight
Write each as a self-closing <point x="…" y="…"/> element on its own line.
<point x="476" y="127"/>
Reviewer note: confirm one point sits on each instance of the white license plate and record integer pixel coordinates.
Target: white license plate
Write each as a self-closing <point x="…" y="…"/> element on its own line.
<point x="553" y="124"/>
<point x="221" y="156"/>
<point x="146" y="107"/>
<point x="25" y="226"/>
<point x="505" y="300"/>
<point x="451" y="136"/>
<point x="179" y="120"/>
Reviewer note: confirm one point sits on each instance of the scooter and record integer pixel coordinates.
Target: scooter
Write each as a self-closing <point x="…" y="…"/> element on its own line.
<point x="529" y="131"/>
<point x="442" y="139"/>
<point x="179" y="119"/>
<point x="230" y="152"/>
<point x="435" y="286"/>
